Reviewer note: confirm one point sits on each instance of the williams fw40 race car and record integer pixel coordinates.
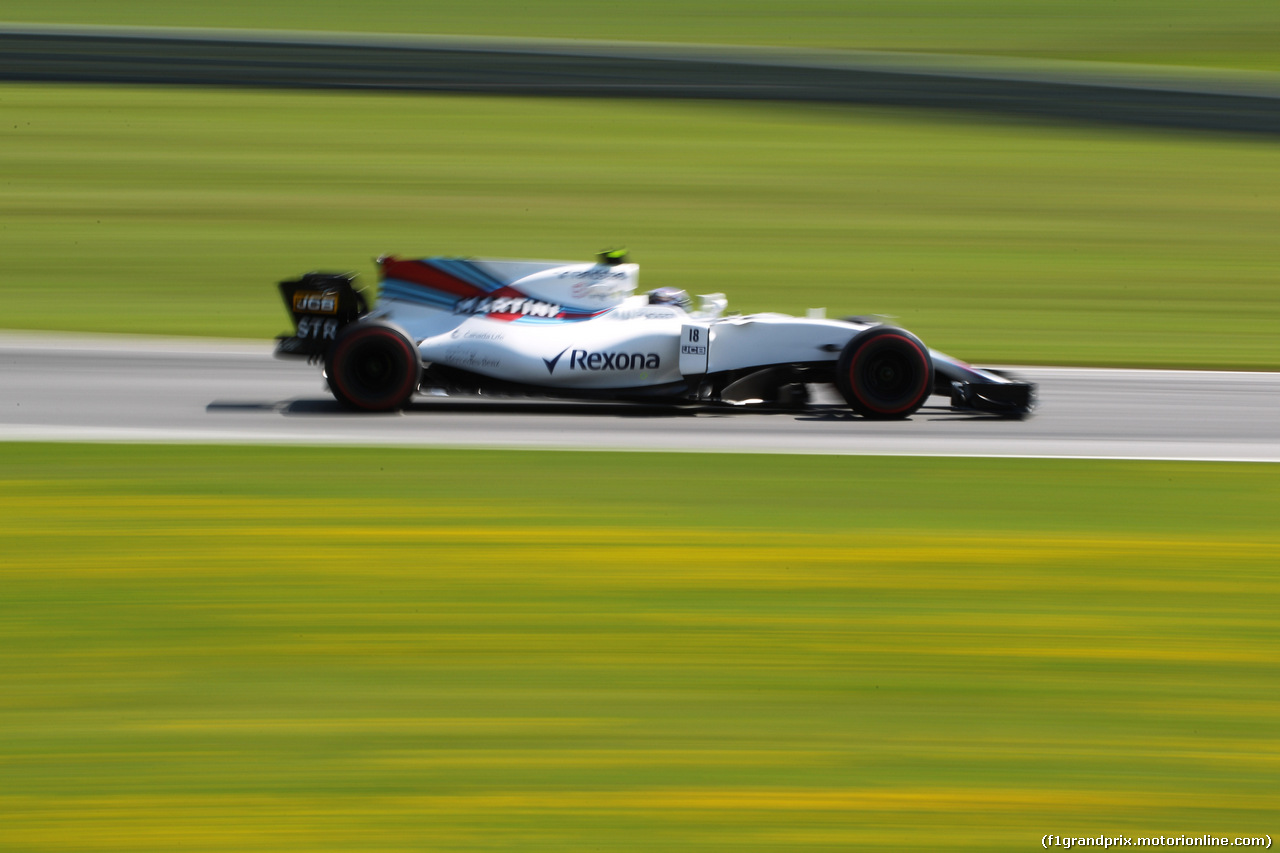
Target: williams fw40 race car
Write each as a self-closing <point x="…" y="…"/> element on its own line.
<point x="580" y="331"/>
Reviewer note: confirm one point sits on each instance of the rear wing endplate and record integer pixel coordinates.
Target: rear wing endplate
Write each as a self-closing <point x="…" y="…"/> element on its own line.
<point x="320" y="304"/>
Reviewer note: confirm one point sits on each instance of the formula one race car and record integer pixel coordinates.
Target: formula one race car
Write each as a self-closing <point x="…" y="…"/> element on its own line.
<point x="578" y="330"/>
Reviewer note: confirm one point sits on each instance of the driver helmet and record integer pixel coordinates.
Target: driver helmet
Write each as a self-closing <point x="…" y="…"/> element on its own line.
<point x="671" y="296"/>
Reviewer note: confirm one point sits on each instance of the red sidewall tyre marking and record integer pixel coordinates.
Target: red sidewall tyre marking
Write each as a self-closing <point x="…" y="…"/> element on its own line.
<point x="363" y="337"/>
<point x="855" y="381"/>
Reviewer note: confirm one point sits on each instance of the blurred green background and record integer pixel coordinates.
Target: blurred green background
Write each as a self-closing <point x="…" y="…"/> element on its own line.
<point x="275" y="649"/>
<point x="1228" y="33"/>
<point x="175" y="210"/>
<point x="340" y="649"/>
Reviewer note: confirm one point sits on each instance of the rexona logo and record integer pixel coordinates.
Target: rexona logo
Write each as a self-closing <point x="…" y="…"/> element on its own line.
<point x="580" y="359"/>
<point x="506" y="305"/>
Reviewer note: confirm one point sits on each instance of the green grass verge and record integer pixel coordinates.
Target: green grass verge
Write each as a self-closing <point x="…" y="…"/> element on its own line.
<point x="281" y="649"/>
<point x="1230" y="33"/>
<point x="175" y="211"/>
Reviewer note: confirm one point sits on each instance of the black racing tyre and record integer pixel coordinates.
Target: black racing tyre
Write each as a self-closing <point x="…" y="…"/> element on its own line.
<point x="885" y="373"/>
<point x="373" y="367"/>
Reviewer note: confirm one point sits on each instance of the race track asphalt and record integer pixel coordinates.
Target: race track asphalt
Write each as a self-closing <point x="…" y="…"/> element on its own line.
<point x="73" y="388"/>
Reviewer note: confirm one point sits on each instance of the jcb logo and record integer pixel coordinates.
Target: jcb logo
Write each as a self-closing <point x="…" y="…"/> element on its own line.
<point x="311" y="302"/>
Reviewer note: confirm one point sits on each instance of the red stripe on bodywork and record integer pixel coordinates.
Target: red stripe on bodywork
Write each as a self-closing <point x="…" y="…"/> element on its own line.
<point x="418" y="272"/>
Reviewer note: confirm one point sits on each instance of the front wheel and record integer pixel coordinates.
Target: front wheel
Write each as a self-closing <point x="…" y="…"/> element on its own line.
<point x="373" y="367"/>
<point x="885" y="373"/>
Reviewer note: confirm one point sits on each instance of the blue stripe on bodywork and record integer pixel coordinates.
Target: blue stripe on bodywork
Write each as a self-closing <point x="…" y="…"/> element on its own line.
<point x="468" y="272"/>
<point x="407" y="291"/>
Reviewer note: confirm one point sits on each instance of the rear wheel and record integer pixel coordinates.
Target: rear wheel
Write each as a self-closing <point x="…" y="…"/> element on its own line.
<point x="373" y="367"/>
<point x="885" y="373"/>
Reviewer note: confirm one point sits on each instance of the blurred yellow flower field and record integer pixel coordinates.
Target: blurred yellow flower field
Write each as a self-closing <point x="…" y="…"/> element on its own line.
<point x="282" y="649"/>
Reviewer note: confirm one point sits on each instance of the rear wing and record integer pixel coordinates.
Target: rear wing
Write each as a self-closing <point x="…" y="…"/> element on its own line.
<point x="319" y="303"/>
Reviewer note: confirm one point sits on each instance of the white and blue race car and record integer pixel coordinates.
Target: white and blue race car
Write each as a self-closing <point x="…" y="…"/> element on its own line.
<point x="581" y="331"/>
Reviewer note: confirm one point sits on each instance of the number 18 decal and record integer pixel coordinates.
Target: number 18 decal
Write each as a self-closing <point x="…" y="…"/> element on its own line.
<point x="693" y="349"/>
